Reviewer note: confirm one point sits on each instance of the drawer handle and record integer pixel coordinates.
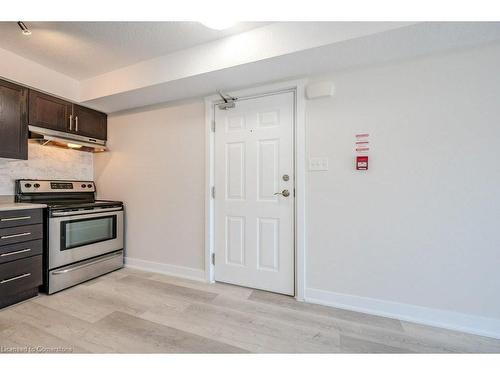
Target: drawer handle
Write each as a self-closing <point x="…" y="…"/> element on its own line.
<point x="15" y="235"/>
<point x="15" y="278"/>
<point x="15" y="252"/>
<point x="16" y="218"/>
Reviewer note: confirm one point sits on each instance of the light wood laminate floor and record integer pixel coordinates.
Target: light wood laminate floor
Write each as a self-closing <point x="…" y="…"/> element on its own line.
<point x="131" y="311"/>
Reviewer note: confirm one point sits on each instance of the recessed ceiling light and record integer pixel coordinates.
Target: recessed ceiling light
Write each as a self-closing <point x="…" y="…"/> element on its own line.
<point x="218" y="24"/>
<point x="24" y="28"/>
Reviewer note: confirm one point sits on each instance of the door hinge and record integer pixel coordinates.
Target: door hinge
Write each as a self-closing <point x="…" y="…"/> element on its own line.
<point x="213" y="126"/>
<point x="213" y="259"/>
<point x="213" y="192"/>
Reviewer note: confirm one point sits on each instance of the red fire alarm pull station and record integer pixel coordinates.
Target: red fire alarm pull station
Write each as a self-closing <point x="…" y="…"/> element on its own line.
<point x="362" y="163"/>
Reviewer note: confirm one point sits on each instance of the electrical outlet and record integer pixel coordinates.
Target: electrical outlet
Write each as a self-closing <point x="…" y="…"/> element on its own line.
<point x="318" y="164"/>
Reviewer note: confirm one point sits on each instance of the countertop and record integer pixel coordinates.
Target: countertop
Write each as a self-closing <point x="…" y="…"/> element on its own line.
<point x="20" y="206"/>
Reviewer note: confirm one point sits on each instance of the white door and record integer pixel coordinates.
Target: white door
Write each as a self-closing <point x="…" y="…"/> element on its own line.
<point x="254" y="215"/>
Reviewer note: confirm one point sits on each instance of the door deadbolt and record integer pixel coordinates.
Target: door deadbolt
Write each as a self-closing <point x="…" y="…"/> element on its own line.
<point x="286" y="177"/>
<point x="284" y="193"/>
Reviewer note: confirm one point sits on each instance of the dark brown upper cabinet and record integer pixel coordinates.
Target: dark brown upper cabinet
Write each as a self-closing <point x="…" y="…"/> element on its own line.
<point x="13" y="126"/>
<point x="89" y="123"/>
<point x="49" y="112"/>
<point x="53" y="113"/>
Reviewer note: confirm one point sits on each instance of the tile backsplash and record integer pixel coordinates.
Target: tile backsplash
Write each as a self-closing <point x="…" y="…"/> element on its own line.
<point x="46" y="162"/>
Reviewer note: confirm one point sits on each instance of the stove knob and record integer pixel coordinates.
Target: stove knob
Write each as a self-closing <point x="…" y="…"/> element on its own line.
<point x="36" y="185"/>
<point x="89" y="185"/>
<point x="27" y="185"/>
<point x="83" y="185"/>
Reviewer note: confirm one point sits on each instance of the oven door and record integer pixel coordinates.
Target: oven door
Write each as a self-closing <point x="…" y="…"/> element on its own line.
<point x="82" y="236"/>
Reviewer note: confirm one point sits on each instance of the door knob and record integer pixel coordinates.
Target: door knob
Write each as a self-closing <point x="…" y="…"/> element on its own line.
<point x="284" y="193"/>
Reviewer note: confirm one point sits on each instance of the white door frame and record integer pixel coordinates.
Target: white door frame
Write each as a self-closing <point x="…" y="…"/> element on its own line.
<point x="300" y="176"/>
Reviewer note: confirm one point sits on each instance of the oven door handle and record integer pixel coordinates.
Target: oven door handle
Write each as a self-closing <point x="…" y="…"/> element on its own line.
<point x="111" y="256"/>
<point x="86" y="212"/>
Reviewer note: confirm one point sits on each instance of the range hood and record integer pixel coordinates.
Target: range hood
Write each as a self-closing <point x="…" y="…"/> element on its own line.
<point x="48" y="137"/>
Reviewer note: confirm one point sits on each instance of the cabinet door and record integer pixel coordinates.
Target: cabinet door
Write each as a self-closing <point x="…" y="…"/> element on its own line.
<point x="20" y="279"/>
<point x="13" y="126"/>
<point x="89" y="122"/>
<point x="49" y="112"/>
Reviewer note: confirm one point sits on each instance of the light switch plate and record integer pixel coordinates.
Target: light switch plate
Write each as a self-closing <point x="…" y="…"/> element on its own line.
<point x="318" y="164"/>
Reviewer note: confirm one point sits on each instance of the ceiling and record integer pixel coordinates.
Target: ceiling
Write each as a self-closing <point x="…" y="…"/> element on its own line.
<point x="407" y="42"/>
<point x="85" y="49"/>
<point x="118" y="66"/>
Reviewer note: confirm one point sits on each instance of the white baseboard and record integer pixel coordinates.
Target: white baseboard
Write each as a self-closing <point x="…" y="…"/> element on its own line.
<point x="166" y="269"/>
<point x="477" y="325"/>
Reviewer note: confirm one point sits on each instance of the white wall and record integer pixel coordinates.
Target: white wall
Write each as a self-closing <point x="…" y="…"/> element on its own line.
<point x="29" y="73"/>
<point x="156" y="166"/>
<point x="421" y="227"/>
<point x="415" y="237"/>
<point x="45" y="163"/>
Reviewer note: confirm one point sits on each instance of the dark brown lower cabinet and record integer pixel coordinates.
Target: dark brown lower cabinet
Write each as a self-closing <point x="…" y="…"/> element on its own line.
<point x="13" y="121"/>
<point x="20" y="280"/>
<point x="21" y="248"/>
<point x="20" y="234"/>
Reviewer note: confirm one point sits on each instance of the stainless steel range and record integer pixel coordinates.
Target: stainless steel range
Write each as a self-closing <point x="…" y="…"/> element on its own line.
<point x="83" y="236"/>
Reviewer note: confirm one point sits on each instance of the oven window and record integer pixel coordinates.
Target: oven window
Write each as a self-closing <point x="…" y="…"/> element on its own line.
<point x="81" y="232"/>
